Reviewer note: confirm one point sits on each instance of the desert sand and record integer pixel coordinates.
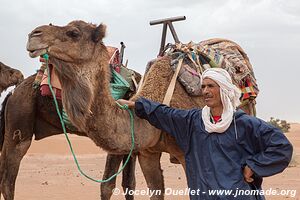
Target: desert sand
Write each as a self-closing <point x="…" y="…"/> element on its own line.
<point x="48" y="172"/>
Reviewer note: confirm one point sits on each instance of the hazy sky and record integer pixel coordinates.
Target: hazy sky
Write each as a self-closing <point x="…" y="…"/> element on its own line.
<point x="268" y="30"/>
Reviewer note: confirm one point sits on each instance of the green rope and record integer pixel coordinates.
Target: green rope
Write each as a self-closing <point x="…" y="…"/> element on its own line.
<point x="125" y="107"/>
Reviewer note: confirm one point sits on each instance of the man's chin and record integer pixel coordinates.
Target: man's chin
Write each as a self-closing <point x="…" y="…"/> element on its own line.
<point x="208" y="103"/>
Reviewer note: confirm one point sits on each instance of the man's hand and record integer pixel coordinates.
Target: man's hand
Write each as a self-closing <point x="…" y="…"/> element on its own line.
<point x="130" y="104"/>
<point x="247" y="174"/>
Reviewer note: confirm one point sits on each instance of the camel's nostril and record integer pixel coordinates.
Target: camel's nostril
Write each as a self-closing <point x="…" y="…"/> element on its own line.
<point x="36" y="33"/>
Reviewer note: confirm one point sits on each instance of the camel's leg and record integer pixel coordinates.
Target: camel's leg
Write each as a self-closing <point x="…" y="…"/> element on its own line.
<point x="11" y="156"/>
<point x="19" y="120"/>
<point x="128" y="180"/>
<point x="111" y="167"/>
<point x="150" y="165"/>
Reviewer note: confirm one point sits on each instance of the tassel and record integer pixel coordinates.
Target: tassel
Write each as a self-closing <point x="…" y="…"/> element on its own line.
<point x="38" y="79"/>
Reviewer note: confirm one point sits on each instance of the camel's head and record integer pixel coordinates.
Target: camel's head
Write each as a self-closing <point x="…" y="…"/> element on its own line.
<point x="78" y="55"/>
<point x="9" y="77"/>
<point x="73" y="43"/>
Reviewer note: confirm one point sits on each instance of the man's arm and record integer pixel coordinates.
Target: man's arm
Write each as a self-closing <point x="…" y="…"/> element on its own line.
<point x="275" y="150"/>
<point x="176" y="122"/>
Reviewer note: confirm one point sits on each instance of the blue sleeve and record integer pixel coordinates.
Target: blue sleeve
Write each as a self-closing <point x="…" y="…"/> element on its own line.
<point x="176" y="122"/>
<point x="273" y="150"/>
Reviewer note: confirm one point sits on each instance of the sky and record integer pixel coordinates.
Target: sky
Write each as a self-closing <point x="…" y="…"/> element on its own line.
<point x="268" y="31"/>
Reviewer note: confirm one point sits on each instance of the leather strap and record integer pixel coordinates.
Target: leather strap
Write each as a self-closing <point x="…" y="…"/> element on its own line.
<point x="134" y="82"/>
<point x="140" y="84"/>
<point x="171" y="87"/>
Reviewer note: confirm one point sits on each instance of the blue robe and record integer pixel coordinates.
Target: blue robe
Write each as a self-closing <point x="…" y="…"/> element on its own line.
<point x="216" y="160"/>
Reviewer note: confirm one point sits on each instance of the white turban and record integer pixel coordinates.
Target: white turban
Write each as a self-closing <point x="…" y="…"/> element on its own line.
<point x="230" y="96"/>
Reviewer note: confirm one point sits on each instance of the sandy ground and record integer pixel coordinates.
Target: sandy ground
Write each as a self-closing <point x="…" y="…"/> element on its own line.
<point x="48" y="172"/>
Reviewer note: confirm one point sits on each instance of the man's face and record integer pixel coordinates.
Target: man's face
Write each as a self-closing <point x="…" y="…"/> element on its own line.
<point x="211" y="93"/>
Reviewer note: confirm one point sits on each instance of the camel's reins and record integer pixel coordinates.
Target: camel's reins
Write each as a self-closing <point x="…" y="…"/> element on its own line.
<point x="125" y="107"/>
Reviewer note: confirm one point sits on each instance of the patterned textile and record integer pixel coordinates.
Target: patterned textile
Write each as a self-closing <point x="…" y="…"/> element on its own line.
<point x="214" y="53"/>
<point x="114" y="60"/>
<point x="56" y="85"/>
<point x="188" y="77"/>
<point x="115" y="64"/>
<point x="38" y="79"/>
<point x="248" y="90"/>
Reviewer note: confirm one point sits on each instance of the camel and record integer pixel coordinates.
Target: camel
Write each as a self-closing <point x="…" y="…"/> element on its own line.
<point x="81" y="62"/>
<point x="9" y="77"/>
<point x="112" y="161"/>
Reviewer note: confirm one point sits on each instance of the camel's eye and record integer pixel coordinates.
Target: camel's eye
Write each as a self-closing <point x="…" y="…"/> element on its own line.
<point x="74" y="33"/>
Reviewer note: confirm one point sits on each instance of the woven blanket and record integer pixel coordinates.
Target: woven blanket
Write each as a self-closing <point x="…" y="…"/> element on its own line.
<point x="213" y="53"/>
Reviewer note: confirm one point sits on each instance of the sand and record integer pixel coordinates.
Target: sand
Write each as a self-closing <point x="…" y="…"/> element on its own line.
<point x="48" y="172"/>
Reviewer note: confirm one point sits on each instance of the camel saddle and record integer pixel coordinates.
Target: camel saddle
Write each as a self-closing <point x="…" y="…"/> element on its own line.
<point x="188" y="61"/>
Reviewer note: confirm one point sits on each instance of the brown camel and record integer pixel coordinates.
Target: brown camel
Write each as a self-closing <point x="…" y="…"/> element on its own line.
<point x="9" y="77"/>
<point x="81" y="61"/>
<point x="112" y="161"/>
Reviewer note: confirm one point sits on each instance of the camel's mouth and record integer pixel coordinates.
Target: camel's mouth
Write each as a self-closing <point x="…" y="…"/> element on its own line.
<point x="37" y="52"/>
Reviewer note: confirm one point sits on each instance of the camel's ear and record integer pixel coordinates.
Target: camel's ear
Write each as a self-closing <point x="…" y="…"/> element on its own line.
<point x="99" y="33"/>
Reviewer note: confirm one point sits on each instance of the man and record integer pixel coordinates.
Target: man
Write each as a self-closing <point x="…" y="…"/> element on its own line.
<point x="224" y="148"/>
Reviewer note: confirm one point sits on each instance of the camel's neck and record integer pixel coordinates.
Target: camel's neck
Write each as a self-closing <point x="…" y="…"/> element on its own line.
<point x="109" y="125"/>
